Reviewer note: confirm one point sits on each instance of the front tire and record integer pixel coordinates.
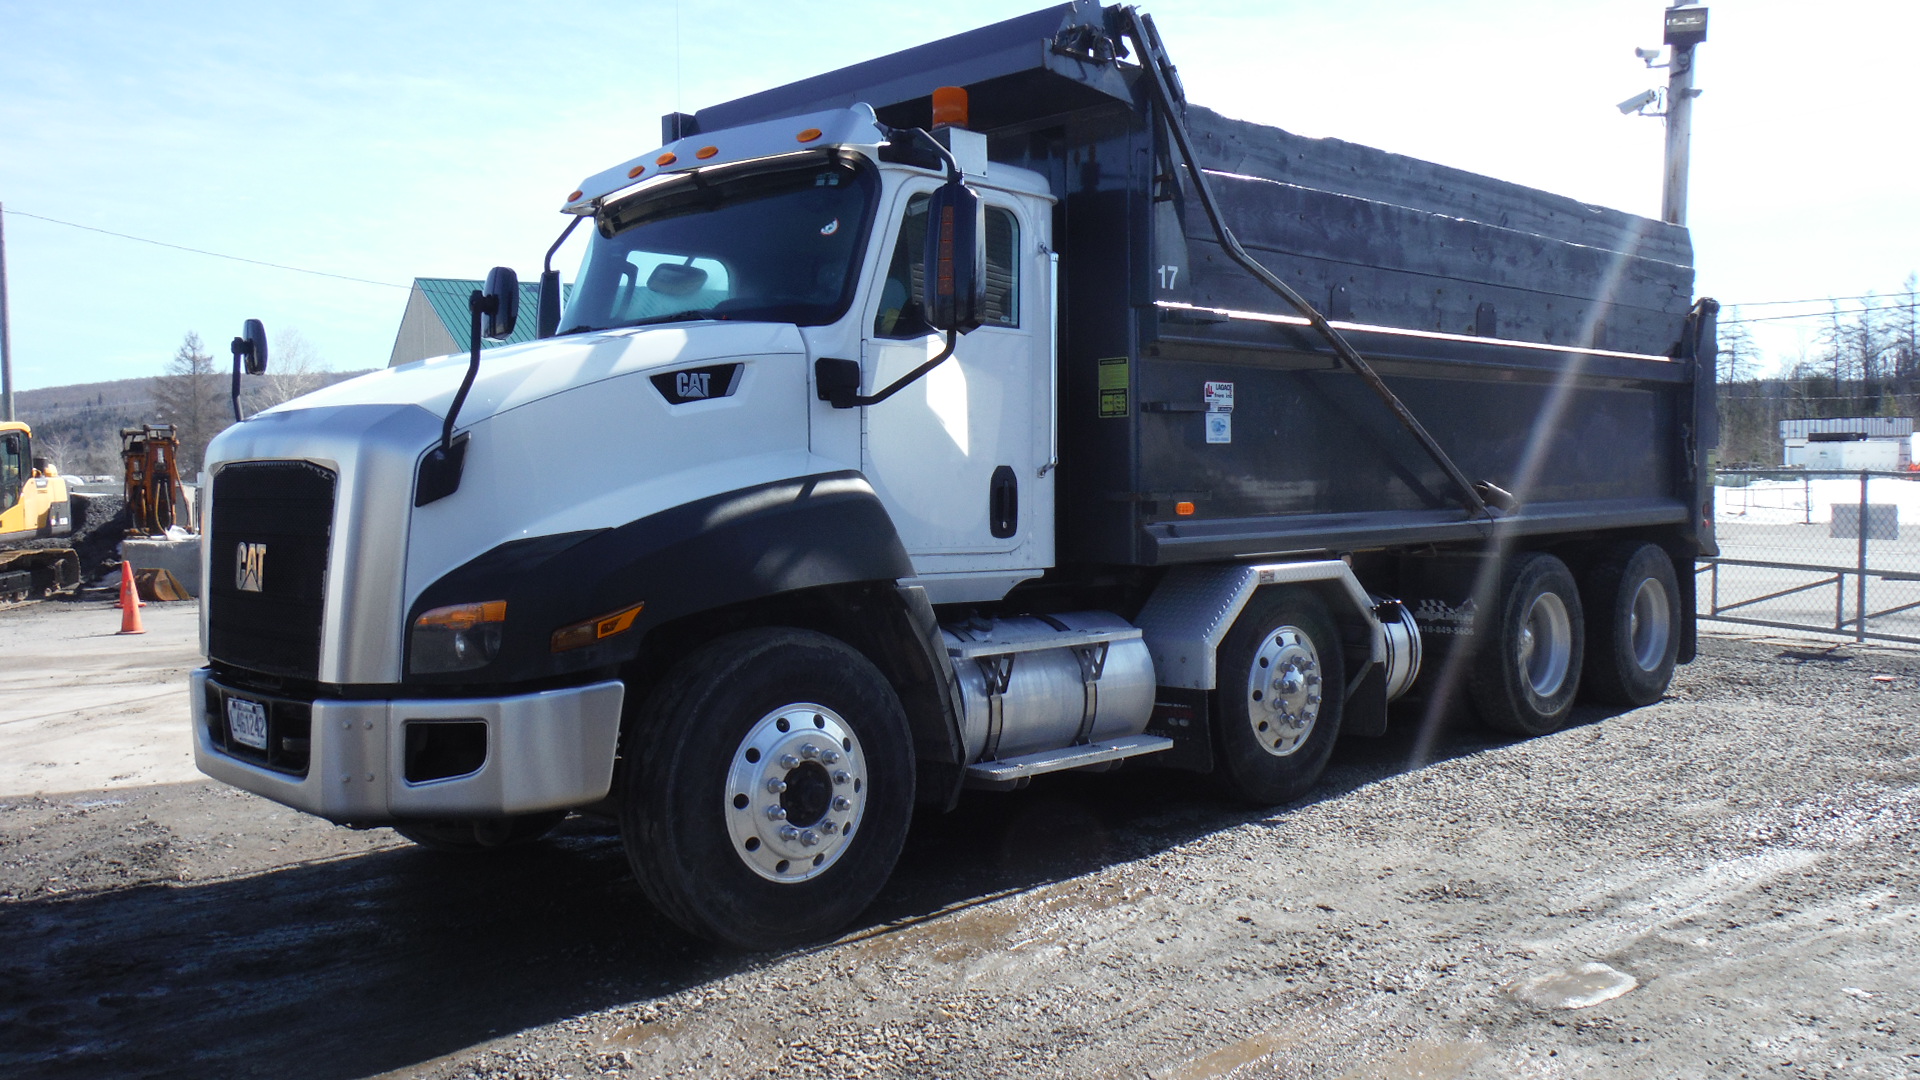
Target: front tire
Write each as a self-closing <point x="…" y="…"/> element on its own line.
<point x="1633" y="611"/>
<point x="1282" y="679"/>
<point x="767" y="786"/>
<point x="1527" y="671"/>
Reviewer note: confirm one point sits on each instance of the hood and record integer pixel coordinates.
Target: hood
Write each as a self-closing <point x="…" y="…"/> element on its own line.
<point x="519" y="374"/>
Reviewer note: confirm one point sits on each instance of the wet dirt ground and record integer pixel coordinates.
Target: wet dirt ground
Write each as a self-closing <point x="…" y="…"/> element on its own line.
<point x="1726" y="881"/>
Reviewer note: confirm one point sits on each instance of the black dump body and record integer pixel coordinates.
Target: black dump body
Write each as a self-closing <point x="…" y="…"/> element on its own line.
<point x="1551" y="347"/>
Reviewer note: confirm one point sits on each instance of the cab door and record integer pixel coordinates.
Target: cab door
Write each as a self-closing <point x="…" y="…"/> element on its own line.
<point x="958" y="456"/>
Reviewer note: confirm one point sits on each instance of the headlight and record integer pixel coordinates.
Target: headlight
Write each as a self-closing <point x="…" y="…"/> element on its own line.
<point x="457" y="638"/>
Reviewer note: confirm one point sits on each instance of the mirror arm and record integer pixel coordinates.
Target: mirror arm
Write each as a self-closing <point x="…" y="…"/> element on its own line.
<point x="476" y="304"/>
<point x="854" y="401"/>
<point x="547" y="265"/>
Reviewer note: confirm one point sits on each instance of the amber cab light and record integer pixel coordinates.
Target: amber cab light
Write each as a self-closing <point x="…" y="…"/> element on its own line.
<point x="950" y="106"/>
<point x="582" y="634"/>
<point x="1184" y="509"/>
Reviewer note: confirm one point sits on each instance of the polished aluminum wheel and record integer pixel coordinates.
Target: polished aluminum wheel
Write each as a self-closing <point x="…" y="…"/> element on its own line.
<point x="1650" y="624"/>
<point x="795" y="792"/>
<point x="1545" y="644"/>
<point x="1283" y="690"/>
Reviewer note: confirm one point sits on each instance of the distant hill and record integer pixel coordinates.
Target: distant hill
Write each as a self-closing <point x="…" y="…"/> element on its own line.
<point x="78" y="427"/>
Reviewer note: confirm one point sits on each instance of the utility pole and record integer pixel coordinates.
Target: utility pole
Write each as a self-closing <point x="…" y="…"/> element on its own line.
<point x="6" y="332"/>
<point x="1686" y="27"/>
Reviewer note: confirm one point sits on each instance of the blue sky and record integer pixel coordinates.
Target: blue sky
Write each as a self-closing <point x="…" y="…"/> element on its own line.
<point x="389" y="141"/>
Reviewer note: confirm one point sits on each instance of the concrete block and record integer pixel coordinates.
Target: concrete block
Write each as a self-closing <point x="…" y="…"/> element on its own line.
<point x="181" y="558"/>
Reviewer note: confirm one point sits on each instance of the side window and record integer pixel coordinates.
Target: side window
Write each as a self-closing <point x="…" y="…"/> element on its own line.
<point x="1003" y="268"/>
<point x="11" y="471"/>
<point x="900" y="315"/>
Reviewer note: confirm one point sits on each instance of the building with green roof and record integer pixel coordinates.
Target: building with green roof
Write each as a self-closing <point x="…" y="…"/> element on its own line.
<point x="437" y="323"/>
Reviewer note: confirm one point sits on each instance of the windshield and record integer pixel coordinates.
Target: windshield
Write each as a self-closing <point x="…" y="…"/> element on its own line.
<point x="768" y="242"/>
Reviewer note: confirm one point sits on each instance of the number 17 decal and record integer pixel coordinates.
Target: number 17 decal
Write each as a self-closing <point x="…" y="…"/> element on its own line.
<point x="1169" y="276"/>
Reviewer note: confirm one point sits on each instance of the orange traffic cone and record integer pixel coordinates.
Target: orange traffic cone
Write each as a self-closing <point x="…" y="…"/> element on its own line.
<point x="129" y="602"/>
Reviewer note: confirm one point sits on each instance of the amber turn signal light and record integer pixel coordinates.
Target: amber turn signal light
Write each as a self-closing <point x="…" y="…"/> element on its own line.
<point x="582" y="634"/>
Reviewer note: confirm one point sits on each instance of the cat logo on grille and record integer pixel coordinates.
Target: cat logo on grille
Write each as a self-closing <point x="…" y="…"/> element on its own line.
<point x="250" y="567"/>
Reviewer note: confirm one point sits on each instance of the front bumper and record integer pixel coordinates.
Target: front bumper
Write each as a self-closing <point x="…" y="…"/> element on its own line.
<point x="550" y="750"/>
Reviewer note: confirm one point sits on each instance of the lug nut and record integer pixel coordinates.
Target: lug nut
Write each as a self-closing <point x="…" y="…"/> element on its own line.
<point x="809" y="751"/>
<point x="776" y="813"/>
<point x="776" y="785"/>
<point x="788" y="761"/>
<point x="829" y="828"/>
<point x="842" y="803"/>
<point x="809" y="838"/>
<point x="842" y="776"/>
<point x="831" y="757"/>
<point x="789" y="833"/>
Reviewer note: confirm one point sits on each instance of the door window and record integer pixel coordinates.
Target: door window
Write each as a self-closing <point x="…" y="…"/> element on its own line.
<point x="900" y="315"/>
<point x="12" y="470"/>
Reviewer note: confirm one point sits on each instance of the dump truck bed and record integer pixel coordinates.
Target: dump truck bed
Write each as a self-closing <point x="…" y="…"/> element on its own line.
<point x="1551" y="347"/>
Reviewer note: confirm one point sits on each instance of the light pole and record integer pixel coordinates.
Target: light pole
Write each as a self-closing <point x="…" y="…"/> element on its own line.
<point x="1686" y="27"/>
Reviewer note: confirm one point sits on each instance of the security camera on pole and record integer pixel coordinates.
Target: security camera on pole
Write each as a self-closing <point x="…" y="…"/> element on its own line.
<point x="1686" y="27"/>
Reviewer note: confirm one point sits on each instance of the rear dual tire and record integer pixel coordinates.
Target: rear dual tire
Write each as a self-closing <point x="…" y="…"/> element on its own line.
<point x="1633" y="624"/>
<point x="1526" y="672"/>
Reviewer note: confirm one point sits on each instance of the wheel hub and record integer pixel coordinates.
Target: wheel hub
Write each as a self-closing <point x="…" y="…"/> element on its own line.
<point x="1284" y="691"/>
<point x="795" y="792"/>
<point x="1544" y="645"/>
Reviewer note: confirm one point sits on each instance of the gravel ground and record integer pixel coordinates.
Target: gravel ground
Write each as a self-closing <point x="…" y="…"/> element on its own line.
<point x="1729" y="875"/>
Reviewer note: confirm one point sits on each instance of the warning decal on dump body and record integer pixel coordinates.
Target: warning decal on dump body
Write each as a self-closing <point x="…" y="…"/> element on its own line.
<point x="1113" y="387"/>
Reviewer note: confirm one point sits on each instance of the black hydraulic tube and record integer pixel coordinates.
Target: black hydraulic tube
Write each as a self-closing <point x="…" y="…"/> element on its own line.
<point x="1153" y="62"/>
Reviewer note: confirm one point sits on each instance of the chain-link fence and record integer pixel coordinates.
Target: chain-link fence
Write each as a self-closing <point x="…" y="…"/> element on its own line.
<point x="1827" y="551"/>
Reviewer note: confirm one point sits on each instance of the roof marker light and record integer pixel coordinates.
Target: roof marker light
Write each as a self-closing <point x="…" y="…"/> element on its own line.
<point x="706" y="152"/>
<point x="1184" y="509"/>
<point x="666" y="159"/>
<point x="575" y="195"/>
<point x="634" y="172"/>
<point x="808" y="135"/>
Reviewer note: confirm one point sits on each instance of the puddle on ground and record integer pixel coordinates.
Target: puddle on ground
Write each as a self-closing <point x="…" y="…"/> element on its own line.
<point x="640" y="1034"/>
<point x="1576" y="987"/>
<point x="997" y="925"/>
<point x="1421" y="1061"/>
<point x="1235" y="1054"/>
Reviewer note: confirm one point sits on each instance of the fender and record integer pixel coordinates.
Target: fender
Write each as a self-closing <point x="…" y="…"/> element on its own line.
<point x="824" y="529"/>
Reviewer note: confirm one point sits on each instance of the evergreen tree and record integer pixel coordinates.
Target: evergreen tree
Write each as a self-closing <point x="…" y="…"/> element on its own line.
<point x="193" y="398"/>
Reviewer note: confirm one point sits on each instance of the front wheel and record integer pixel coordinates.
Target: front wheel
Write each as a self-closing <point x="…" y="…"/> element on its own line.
<point x="1281" y="679"/>
<point x="767" y="785"/>
<point x="1527" y="670"/>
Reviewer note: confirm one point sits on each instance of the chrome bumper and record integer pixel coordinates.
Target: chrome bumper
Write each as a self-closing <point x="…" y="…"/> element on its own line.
<point x="545" y="751"/>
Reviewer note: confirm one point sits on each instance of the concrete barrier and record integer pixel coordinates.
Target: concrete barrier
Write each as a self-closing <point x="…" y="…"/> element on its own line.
<point x="181" y="558"/>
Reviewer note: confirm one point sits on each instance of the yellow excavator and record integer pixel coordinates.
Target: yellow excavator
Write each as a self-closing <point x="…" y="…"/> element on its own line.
<point x="34" y="505"/>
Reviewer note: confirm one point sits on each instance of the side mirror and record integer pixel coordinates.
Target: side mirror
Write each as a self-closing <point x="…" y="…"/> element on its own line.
<point x="501" y="302"/>
<point x="549" y="313"/>
<point x="249" y="352"/>
<point x="953" y="285"/>
<point x="250" y="348"/>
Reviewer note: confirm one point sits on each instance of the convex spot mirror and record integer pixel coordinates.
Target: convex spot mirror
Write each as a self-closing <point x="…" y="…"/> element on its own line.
<point x="250" y="348"/>
<point x="954" y="284"/>
<point x="500" y="302"/>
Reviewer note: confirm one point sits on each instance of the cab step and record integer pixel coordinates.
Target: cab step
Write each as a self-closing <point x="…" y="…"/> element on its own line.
<point x="1013" y="772"/>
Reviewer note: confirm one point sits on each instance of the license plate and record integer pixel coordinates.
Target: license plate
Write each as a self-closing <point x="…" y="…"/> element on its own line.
<point x="247" y="722"/>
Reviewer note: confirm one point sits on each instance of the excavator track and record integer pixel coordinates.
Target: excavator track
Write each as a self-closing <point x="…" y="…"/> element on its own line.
<point x="36" y="574"/>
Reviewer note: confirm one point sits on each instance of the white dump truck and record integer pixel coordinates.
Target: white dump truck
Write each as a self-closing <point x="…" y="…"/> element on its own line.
<point x="970" y="414"/>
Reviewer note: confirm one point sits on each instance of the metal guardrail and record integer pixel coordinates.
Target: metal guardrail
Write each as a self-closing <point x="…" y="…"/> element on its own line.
<point x="1788" y="535"/>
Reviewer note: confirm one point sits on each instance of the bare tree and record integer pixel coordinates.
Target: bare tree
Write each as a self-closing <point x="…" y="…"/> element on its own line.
<point x="1739" y="356"/>
<point x="294" y="368"/>
<point x="193" y="398"/>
